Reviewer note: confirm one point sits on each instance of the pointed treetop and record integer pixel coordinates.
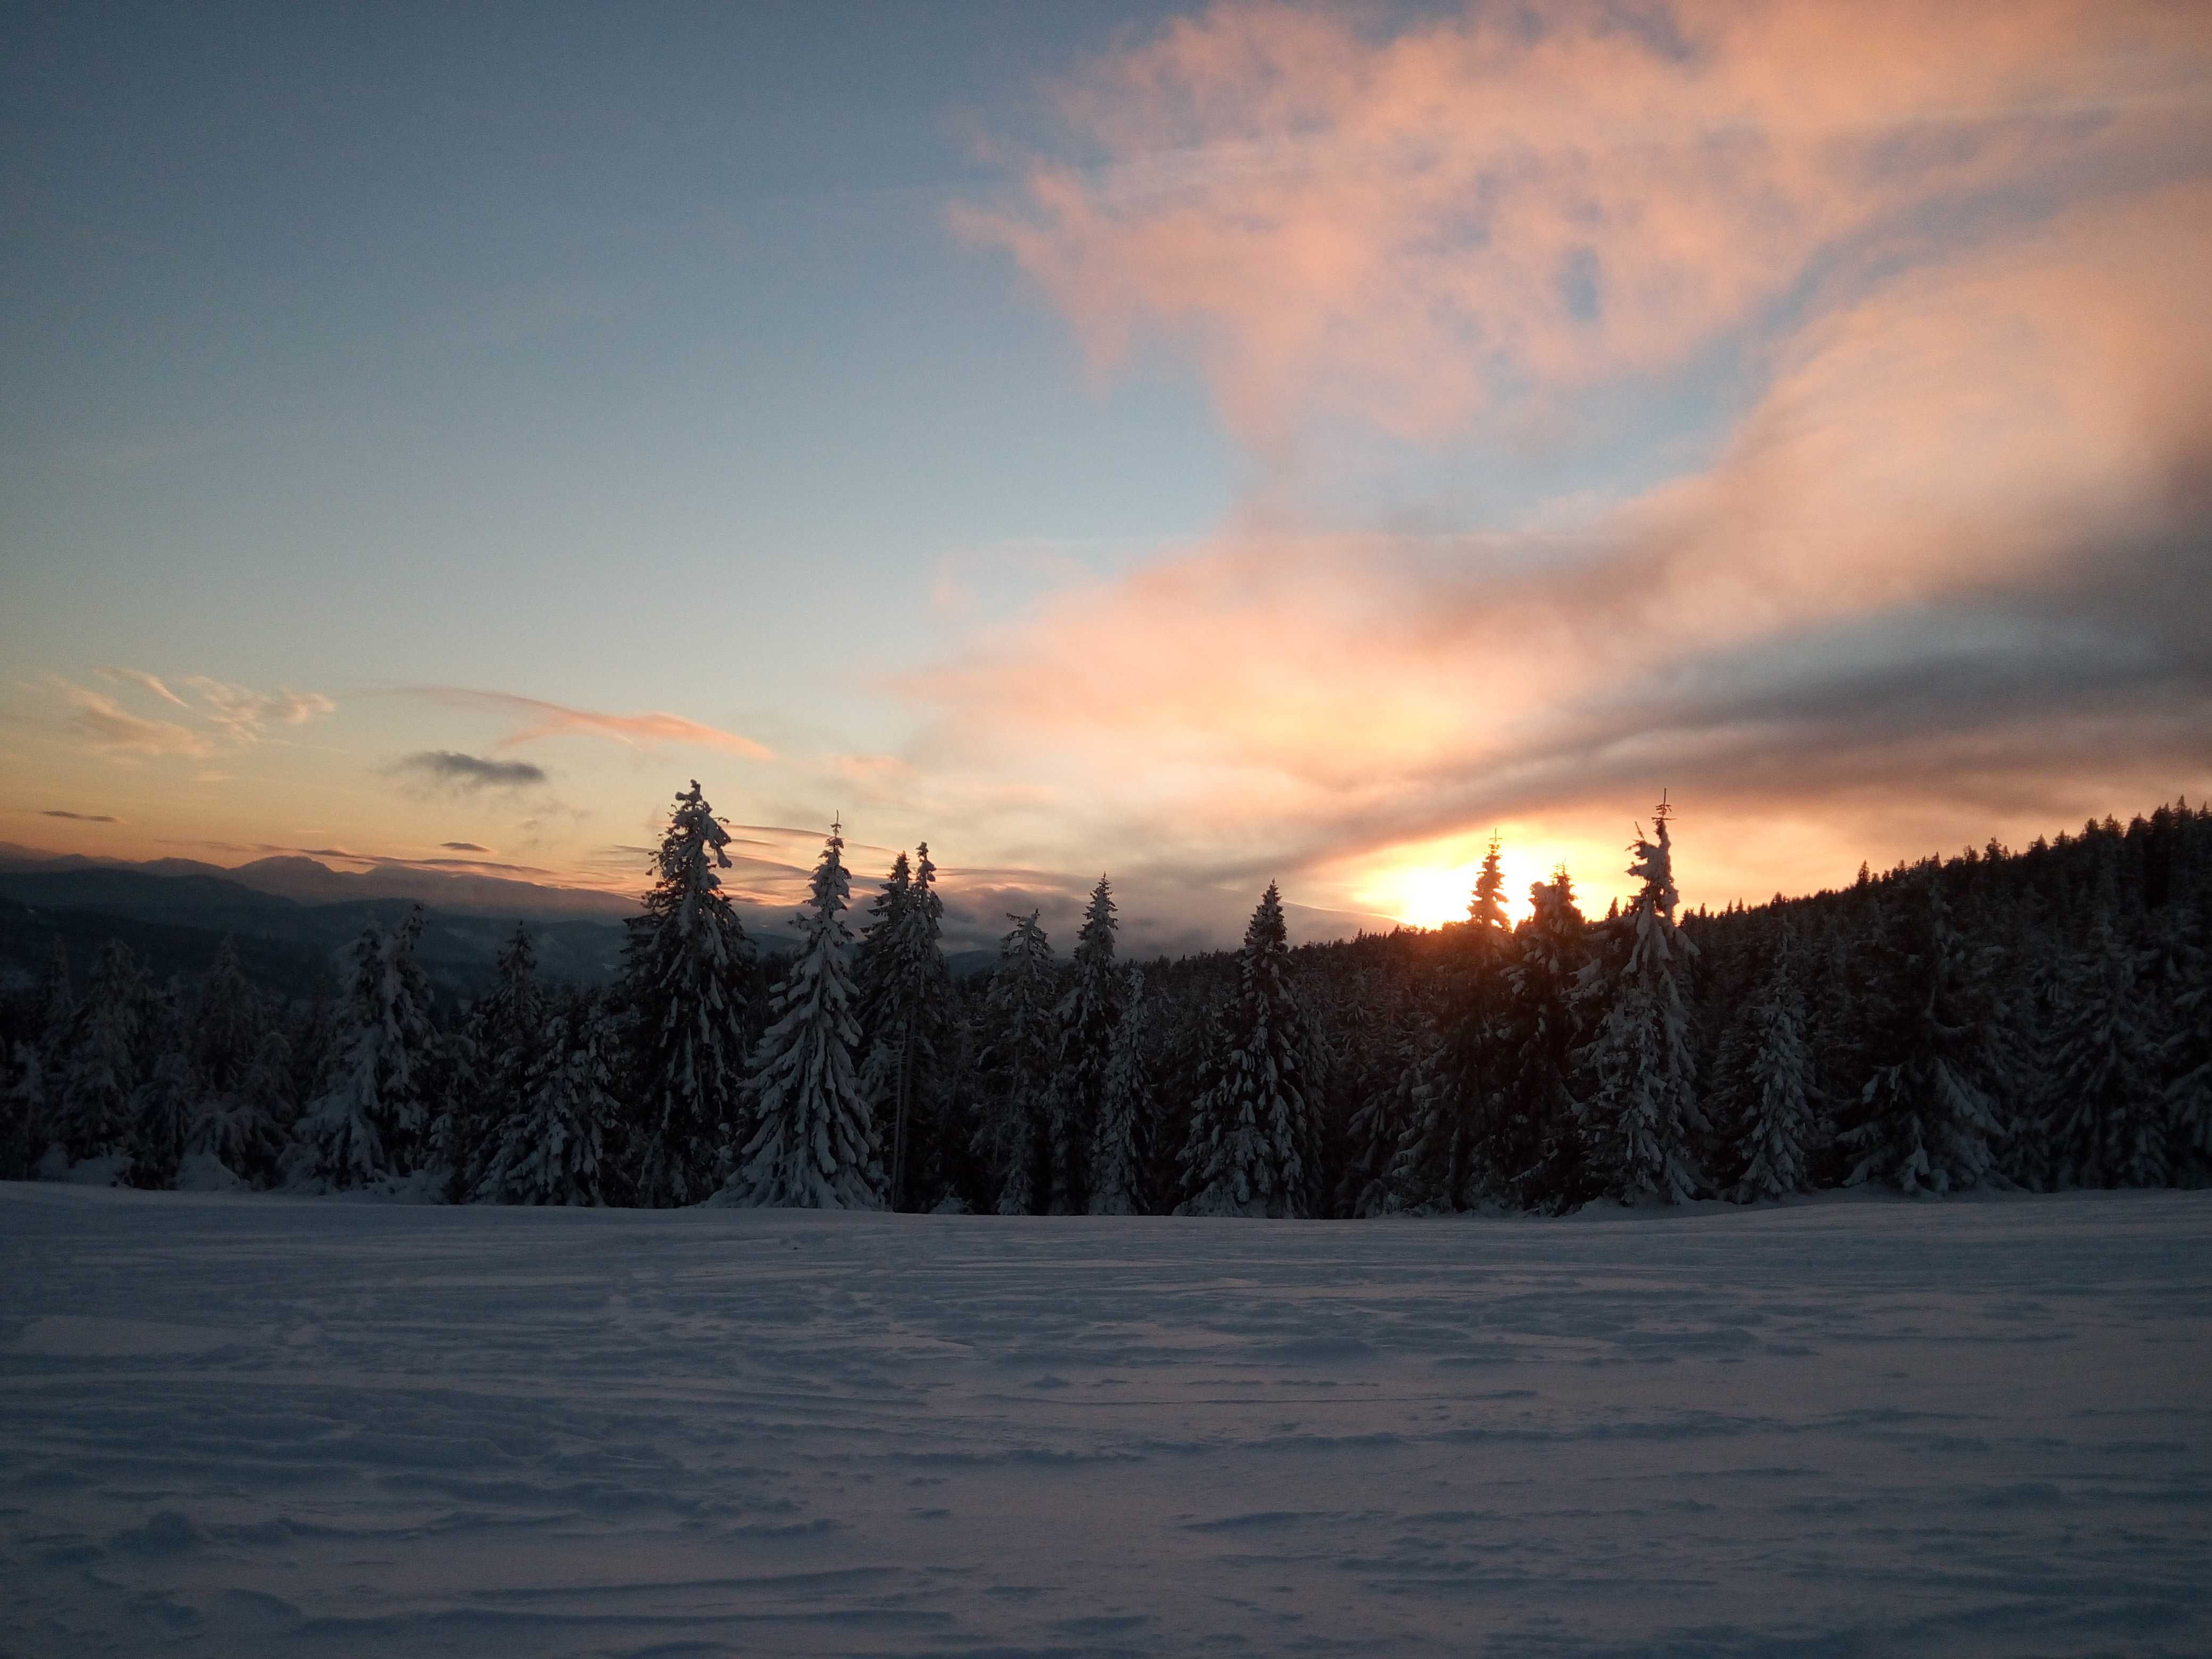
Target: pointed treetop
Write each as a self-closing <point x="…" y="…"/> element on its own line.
<point x="1486" y="908"/>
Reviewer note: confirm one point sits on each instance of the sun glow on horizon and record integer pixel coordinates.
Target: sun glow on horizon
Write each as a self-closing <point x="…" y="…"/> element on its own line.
<point x="1429" y="895"/>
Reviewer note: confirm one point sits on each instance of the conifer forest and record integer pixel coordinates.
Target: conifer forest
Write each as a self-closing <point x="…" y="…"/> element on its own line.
<point x="2034" y="1019"/>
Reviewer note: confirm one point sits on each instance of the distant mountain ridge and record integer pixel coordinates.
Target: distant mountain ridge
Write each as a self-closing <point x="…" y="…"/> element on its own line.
<point x="174" y="912"/>
<point x="309" y="881"/>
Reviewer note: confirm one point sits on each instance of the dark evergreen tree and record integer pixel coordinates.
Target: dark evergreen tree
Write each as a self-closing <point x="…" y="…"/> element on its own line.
<point x="508" y="1036"/>
<point x="906" y="1015"/>
<point x="1458" y="1138"/>
<point x="102" y="1067"/>
<point x="1120" y="1163"/>
<point x="2110" y="1121"/>
<point x="556" y="1149"/>
<point x="1924" y="1123"/>
<point x="366" y="1125"/>
<point x="688" y="974"/>
<point x="1087" y="1014"/>
<point x="1535" y="1141"/>
<point x="813" y="1144"/>
<point x="1016" y="1069"/>
<point x="1254" y="1146"/>
<point x="1772" y="1088"/>
<point x="1646" y="1122"/>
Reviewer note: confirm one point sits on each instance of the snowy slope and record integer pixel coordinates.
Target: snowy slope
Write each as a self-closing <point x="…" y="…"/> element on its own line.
<point x="250" y="1425"/>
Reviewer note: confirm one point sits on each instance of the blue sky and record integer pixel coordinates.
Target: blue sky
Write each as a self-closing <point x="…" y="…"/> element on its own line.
<point x="1203" y="445"/>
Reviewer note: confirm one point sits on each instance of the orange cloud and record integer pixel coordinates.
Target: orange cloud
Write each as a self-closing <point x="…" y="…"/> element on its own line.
<point x="545" y="720"/>
<point x="115" y="730"/>
<point x="1953" y="574"/>
<point x="1411" y="227"/>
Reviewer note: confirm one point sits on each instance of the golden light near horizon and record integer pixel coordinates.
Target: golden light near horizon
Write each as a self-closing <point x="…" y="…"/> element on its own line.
<point x="1429" y="895"/>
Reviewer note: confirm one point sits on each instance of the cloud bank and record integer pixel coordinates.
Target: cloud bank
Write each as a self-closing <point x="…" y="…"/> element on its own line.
<point x="1950" y="571"/>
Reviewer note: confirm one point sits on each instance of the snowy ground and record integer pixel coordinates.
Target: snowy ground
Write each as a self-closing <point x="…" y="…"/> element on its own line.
<point x="243" y="1425"/>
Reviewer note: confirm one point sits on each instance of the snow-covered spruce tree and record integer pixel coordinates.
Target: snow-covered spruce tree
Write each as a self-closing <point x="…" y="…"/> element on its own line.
<point x="1254" y="1146"/>
<point x="872" y="958"/>
<point x="1015" y="1066"/>
<point x="905" y="1001"/>
<point x="2185" y="1052"/>
<point x="687" y="972"/>
<point x="164" y="1105"/>
<point x="813" y="1147"/>
<point x="508" y="1032"/>
<point x="1645" y="1119"/>
<point x="555" y="1149"/>
<point x="238" y="1060"/>
<point x="1120" y="1164"/>
<point x="367" y="1125"/>
<point x="1924" y="1123"/>
<point x="1773" y="1089"/>
<point x="1458" y="1136"/>
<point x="1534" y="1141"/>
<point x="101" y="1070"/>
<point x="1088" y="1014"/>
<point x="2109" y="1126"/>
<point x="247" y="1128"/>
<point x="22" y="1108"/>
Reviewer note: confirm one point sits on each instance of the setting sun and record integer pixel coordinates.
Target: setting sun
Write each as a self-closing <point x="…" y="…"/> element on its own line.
<point x="1429" y="894"/>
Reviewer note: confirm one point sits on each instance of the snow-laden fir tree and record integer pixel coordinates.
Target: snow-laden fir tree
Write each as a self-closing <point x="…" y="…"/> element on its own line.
<point x="101" y="1071"/>
<point x="813" y="1147"/>
<point x="367" y="1124"/>
<point x="555" y="1150"/>
<point x="875" y="975"/>
<point x="2185" y="1052"/>
<point x="1451" y="1157"/>
<point x="508" y="1036"/>
<point x="1534" y="1141"/>
<point x="1017" y="1067"/>
<point x="1772" y="1088"/>
<point x="35" y="1071"/>
<point x="1088" y="1014"/>
<point x="166" y="1098"/>
<point x="1924" y="1123"/>
<point x="1646" y="1120"/>
<point x="2109" y="1128"/>
<point x="1120" y="1163"/>
<point x="905" y="1000"/>
<point x="1255" y="1144"/>
<point x="687" y="969"/>
<point x="239" y="1063"/>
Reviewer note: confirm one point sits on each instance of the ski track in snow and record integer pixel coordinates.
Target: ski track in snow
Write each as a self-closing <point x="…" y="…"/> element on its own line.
<point x="242" y="1425"/>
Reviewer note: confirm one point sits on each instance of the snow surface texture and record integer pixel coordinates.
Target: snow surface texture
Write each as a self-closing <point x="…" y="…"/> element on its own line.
<point x="243" y="1426"/>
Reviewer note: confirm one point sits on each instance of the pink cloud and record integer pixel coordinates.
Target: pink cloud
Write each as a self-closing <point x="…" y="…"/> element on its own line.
<point x="541" y="719"/>
<point x="116" y="730"/>
<point x="1949" y="576"/>
<point x="1408" y="228"/>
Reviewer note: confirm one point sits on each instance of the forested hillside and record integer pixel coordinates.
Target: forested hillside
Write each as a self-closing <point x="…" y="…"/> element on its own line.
<point x="2033" y="1019"/>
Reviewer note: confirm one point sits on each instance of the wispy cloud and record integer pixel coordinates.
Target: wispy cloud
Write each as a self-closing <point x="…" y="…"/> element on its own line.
<point x="140" y="678"/>
<point x="234" y="711"/>
<point x="467" y="773"/>
<point x="463" y="846"/>
<point x="539" y="719"/>
<point x="243" y="714"/>
<point x="114" y="730"/>
<point x="78" y="818"/>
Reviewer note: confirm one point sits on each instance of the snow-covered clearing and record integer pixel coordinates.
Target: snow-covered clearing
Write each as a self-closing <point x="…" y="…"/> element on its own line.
<point x="243" y="1425"/>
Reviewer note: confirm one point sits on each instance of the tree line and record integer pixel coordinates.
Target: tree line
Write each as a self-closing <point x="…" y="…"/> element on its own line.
<point x="2034" y="1019"/>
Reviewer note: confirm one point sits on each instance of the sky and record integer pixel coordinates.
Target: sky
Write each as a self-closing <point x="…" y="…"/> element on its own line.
<point x="1206" y="445"/>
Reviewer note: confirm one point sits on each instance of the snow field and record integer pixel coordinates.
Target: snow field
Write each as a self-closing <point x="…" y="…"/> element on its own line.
<point x="242" y="1425"/>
